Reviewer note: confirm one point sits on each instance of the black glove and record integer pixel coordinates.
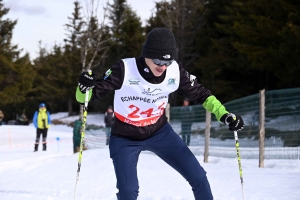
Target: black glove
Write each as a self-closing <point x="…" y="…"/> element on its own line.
<point x="86" y="82"/>
<point x="235" y="122"/>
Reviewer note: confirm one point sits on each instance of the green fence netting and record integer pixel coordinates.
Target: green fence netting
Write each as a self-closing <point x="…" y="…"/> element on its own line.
<point x="95" y="136"/>
<point x="282" y="126"/>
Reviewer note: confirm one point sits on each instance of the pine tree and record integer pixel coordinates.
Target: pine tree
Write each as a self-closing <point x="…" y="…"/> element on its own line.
<point x="48" y="85"/>
<point x="268" y="34"/>
<point x="126" y="29"/>
<point x="185" y="18"/>
<point x="157" y="18"/>
<point x="252" y="45"/>
<point x="221" y="68"/>
<point x="16" y="72"/>
<point x="116" y="15"/>
<point x="132" y="37"/>
<point x="73" y="65"/>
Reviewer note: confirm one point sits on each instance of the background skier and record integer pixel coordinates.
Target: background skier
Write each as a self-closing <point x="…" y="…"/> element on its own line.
<point x="1" y="118"/>
<point x="109" y="118"/>
<point x="187" y="115"/>
<point x="41" y="121"/>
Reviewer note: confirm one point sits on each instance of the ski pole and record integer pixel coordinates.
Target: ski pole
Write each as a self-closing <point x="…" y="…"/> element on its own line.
<point x="82" y="135"/>
<point x="239" y="161"/>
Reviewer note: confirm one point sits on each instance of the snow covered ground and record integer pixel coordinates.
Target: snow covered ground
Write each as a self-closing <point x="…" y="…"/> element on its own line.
<point x="51" y="175"/>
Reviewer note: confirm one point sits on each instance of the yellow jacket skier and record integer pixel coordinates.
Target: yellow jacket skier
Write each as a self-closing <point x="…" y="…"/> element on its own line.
<point x="41" y="121"/>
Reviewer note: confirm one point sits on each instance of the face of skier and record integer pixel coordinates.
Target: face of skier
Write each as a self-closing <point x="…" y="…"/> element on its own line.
<point x="186" y="102"/>
<point x="109" y="110"/>
<point x="158" y="68"/>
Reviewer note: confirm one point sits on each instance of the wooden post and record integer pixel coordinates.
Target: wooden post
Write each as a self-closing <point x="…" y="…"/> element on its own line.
<point x="207" y="136"/>
<point x="261" y="128"/>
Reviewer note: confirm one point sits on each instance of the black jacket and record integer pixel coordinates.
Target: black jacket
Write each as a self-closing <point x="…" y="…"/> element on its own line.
<point x="109" y="119"/>
<point x="186" y="115"/>
<point x="189" y="88"/>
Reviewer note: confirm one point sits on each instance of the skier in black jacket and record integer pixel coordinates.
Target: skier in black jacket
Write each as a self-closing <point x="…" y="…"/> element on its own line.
<point x="187" y="115"/>
<point x="109" y="118"/>
<point x="142" y="86"/>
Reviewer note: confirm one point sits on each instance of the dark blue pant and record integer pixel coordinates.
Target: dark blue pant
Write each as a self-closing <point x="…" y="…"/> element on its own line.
<point x="169" y="147"/>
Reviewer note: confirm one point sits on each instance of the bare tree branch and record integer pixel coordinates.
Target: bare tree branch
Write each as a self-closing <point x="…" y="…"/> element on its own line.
<point x="92" y="41"/>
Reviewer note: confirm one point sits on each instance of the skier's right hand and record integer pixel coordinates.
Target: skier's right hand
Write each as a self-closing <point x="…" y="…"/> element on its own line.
<point x="86" y="81"/>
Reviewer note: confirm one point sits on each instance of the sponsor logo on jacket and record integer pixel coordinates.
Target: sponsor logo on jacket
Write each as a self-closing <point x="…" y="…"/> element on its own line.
<point x="192" y="79"/>
<point x="134" y="81"/>
<point x="154" y="92"/>
<point x="107" y="74"/>
<point x="171" y="81"/>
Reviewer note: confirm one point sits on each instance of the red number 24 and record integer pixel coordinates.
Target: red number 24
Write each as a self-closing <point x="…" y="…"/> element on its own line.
<point x="148" y="112"/>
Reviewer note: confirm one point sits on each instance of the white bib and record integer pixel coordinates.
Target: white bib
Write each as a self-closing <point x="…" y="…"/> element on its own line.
<point x="139" y="102"/>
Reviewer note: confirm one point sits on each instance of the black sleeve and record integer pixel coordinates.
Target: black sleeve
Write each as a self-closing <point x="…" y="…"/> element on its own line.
<point x="111" y="80"/>
<point x="190" y="88"/>
<point x="105" y="118"/>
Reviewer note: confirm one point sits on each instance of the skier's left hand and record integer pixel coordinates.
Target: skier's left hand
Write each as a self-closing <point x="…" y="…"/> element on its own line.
<point x="235" y="122"/>
<point x="86" y="81"/>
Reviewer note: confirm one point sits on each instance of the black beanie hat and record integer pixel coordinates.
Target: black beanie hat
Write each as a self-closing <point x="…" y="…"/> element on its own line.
<point x="186" y="99"/>
<point x="160" y="44"/>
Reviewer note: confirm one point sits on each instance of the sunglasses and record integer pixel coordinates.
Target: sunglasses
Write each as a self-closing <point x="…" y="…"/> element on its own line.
<point x="162" y="62"/>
